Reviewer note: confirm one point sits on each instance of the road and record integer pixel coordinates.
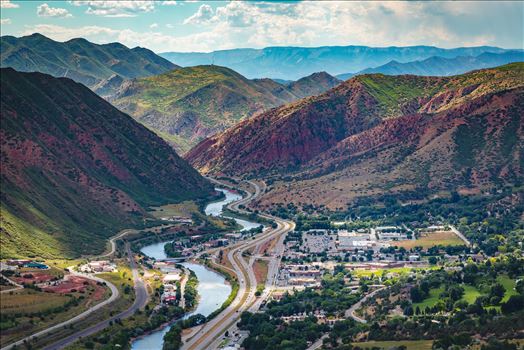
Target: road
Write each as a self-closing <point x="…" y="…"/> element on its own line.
<point x="208" y="336"/>
<point x="17" y="286"/>
<point x="114" y="295"/>
<point x="141" y="298"/>
<point x="460" y="235"/>
<point x="351" y="311"/>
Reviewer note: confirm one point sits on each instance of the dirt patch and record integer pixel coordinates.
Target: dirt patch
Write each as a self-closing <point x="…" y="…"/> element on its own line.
<point x="260" y="268"/>
<point x="31" y="277"/>
<point x="69" y="284"/>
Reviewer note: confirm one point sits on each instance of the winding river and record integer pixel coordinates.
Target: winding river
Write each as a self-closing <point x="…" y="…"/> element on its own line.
<point x="213" y="289"/>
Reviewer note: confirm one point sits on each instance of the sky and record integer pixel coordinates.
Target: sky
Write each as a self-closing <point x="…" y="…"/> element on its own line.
<point x="203" y="26"/>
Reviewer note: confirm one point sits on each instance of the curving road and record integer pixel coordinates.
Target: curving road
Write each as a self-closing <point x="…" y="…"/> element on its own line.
<point x="209" y="334"/>
<point x="114" y="295"/>
<point x="141" y="298"/>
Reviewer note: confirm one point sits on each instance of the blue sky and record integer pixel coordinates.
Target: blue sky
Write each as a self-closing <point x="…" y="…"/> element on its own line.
<point x="213" y="25"/>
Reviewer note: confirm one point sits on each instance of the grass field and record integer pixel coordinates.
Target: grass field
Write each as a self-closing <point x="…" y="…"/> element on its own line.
<point x="410" y="344"/>
<point x="380" y="272"/>
<point x="509" y="285"/>
<point x="445" y="238"/>
<point x="470" y="293"/>
<point x="434" y="297"/>
<point x="27" y="311"/>
<point x="30" y="301"/>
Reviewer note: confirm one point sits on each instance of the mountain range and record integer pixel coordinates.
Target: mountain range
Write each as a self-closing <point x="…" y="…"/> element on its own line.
<point x="79" y="59"/>
<point x="376" y="134"/>
<point x="292" y="63"/>
<point x="188" y="104"/>
<point x="75" y="170"/>
<point x="440" y="66"/>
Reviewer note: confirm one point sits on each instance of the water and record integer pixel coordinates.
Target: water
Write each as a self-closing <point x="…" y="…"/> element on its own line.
<point x="213" y="292"/>
<point x="212" y="288"/>
<point x="215" y="209"/>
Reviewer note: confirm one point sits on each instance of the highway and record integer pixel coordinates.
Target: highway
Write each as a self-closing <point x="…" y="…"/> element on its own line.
<point x="208" y="336"/>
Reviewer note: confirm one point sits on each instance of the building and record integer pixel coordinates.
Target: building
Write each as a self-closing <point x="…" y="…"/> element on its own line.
<point x="171" y="278"/>
<point x="98" y="266"/>
<point x="390" y="233"/>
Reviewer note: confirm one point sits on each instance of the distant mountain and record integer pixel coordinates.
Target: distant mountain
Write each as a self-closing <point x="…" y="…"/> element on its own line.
<point x="188" y="104"/>
<point x="377" y="134"/>
<point x="292" y="63"/>
<point x="313" y="84"/>
<point x="439" y="66"/>
<point x="79" y="59"/>
<point x="75" y="170"/>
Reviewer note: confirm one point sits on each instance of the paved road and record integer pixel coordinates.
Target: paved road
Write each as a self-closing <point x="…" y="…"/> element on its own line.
<point x="351" y="311"/>
<point x="141" y="298"/>
<point x="460" y="235"/>
<point x="209" y="335"/>
<point x="114" y="295"/>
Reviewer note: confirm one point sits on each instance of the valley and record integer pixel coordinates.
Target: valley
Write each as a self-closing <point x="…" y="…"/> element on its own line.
<point x="261" y="175"/>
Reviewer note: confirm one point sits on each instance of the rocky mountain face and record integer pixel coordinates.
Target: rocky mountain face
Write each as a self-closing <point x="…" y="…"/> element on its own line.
<point x="374" y="134"/>
<point x="292" y="63"/>
<point x="75" y="170"/>
<point x="189" y="104"/>
<point x="79" y="59"/>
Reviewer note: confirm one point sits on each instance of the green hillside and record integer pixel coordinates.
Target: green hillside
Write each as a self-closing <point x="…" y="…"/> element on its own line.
<point x="75" y="170"/>
<point x="194" y="102"/>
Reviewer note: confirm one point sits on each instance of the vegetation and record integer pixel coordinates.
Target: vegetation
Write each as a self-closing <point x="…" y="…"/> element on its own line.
<point x="80" y="193"/>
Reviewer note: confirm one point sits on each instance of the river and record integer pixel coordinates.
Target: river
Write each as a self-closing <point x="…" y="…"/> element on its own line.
<point x="213" y="290"/>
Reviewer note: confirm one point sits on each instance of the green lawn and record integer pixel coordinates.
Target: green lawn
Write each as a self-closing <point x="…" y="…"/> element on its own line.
<point x="410" y="344"/>
<point x="434" y="296"/>
<point x="509" y="285"/>
<point x="470" y="294"/>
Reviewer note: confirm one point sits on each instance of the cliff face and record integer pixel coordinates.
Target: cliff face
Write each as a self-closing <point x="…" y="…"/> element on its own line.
<point x="75" y="169"/>
<point x="395" y="133"/>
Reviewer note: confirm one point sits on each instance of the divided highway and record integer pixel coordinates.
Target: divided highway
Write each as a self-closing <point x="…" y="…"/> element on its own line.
<point x="207" y="337"/>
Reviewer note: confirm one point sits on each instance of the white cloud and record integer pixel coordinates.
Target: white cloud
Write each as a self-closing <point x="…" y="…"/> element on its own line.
<point x="6" y="4"/>
<point x="45" y="11"/>
<point x="115" y="8"/>
<point x="5" y="21"/>
<point x="153" y="26"/>
<point x="169" y="3"/>
<point x="309" y="23"/>
<point x="61" y="33"/>
<point x="204" y="15"/>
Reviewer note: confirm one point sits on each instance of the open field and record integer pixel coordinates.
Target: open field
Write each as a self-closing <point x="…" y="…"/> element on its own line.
<point x="260" y="268"/>
<point x="431" y="300"/>
<point x="27" y="311"/>
<point x="409" y="344"/>
<point x="470" y="293"/>
<point x="445" y="238"/>
<point x="186" y="208"/>
<point x="380" y="272"/>
<point x="509" y="285"/>
<point x="30" y="301"/>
